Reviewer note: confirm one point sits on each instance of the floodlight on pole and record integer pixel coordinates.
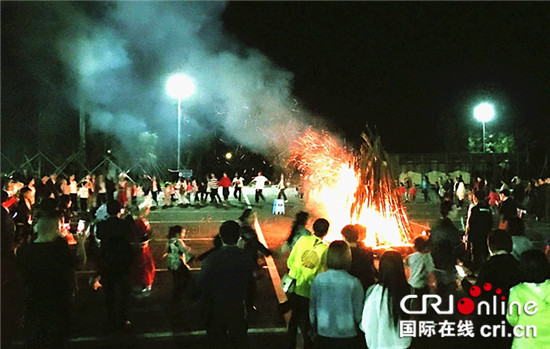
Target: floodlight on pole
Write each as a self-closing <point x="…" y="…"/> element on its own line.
<point x="483" y="113"/>
<point x="180" y="86"/>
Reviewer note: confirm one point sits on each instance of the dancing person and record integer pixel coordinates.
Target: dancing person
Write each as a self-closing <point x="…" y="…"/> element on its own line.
<point x="177" y="256"/>
<point x="101" y="190"/>
<point x="155" y="189"/>
<point x="144" y="269"/>
<point x="336" y="302"/>
<point x="122" y="190"/>
<point x="535" y="288"/>
<point x="224" y="282"/>
<point x="116" y="258"/>
<point x="426" y="186"/>
<point x="23" y="217"/>
<point x="362" y="258"/>
<point x="73" y="192"/>
<point x="225" y="183"/>
<point x="213" y="189"/>
<point x="260" y="181"/>
<point x="382" y="311"/>
<point x="306" y="260"/>
<point x="282" y="186"/>
<point x="238" y="183"/>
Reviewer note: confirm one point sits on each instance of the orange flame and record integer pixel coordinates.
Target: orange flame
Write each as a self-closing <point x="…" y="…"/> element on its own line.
<point x="350" y="189"/>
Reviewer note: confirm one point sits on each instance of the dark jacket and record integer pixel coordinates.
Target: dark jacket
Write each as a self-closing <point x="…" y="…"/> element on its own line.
<point x="116" y="253"/>
<point x="507" y="209"/>
<point x="225" y="281"/>
<point x="251" y="243"/>
<point x="480" y="223"/>
<point x="362" y="265"/>
<point x="447" y="244"/>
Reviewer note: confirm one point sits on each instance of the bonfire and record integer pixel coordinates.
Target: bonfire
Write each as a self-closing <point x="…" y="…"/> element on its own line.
<point x="347" y="187"/>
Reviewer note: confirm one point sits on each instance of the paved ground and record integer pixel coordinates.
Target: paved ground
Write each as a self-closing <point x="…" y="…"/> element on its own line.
<point x="155" y="321"/>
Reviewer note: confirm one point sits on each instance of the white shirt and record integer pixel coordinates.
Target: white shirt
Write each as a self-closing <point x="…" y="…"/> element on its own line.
<point x="74" y="187"/>
<point x="377" y="324"/>
<point x="420" y="265"/>
<point x="238" y="182"/>
<point x="260" y="182"/>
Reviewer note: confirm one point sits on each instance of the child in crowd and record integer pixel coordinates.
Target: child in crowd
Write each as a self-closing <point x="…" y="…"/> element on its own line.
<point x="421" y="266"/>
<point x="177" y="256"/>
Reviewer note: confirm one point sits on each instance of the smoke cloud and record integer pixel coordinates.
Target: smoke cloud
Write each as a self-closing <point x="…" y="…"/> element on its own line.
<point x="121" y="58"/>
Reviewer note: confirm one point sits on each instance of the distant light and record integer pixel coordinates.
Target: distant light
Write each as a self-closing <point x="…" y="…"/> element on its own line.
<point x="180" y="86"/>
<point x="228" y="156"/>
<point x="484" y="112"/>
<point x="108" y="151"/>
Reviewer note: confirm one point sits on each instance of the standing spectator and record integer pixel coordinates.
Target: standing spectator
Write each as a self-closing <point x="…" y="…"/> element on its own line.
<point x="111" y="188"/>
<point x="336" y="302"/>
<point x="177" y="257"/>
<point x="83" y="195"/>
<point x="47" y="266"/>
<point x="446" y="241"/>
<point x="534" y="287"/>
<point x="362" y="259"/>
<point x="449" y="189"/>
<point x="65" y="188"/>
<point x="252" y="246"/>
<point x="260" y="185"/>
<point x="382" y="311"/>
<point x="144" y="266"/>
<point x="478" y="226"/>
<point x="401" y="190"/>
<point x="282" y="186"/>
<point x="501" y="270"/>
<point x="116" y="257"/>
<point x="421" y="264"/>
<point x="298" y="230"/>
<point x="22" y="217"/>
<point x="42" y="188"/>
<point x="306" y="260"/>
<point x="10" y="290"/>
<point x="238" y="183"/>
<point x="146" y="184"/>
<point x="225" y="183"/>
<point x="224" y="281"/>
<point x="507" y="208"/>
<point x="520" y="242"/>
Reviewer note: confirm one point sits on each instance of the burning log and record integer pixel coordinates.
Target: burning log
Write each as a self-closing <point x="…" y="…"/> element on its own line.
<point x="350" y="188"/>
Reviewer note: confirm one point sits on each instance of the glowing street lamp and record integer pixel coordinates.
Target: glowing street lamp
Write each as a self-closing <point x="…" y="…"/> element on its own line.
<point x="483" y="113"/>
<point x="228" y="156"/>
<point x="180" y="86"/>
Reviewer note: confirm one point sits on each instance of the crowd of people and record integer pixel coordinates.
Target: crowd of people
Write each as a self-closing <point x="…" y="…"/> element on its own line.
<point x="531" y="196"/>
<point x="337" y="295"/>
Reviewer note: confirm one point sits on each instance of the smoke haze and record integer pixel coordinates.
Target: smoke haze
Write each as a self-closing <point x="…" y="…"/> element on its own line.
<point x="120" y="59"/>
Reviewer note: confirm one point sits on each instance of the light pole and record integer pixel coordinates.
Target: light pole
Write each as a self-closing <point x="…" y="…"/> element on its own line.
<point x="180" y="86"/>
<point x="484" y="112"/>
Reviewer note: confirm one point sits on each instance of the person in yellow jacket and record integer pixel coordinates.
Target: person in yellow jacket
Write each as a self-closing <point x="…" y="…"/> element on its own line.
<point x="306" y="260"/>
<point x="535" y="272"/>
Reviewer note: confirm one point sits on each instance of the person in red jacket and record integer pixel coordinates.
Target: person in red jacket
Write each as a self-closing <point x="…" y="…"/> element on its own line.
<point x="225" y="183"/>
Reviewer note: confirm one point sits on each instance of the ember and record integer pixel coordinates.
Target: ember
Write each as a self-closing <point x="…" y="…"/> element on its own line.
<point x="350" y="188"/>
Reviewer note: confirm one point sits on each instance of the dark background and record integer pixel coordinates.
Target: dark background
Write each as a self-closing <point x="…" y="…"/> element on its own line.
<point x="411" y="71"/>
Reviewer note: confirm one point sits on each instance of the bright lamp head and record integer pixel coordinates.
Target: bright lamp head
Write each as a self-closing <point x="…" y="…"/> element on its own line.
<point x="484" y="112"/>
<point x="180" y="86"/>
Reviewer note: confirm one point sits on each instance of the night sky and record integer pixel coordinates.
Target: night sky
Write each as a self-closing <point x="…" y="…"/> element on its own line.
<point x="411" y="71"/>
